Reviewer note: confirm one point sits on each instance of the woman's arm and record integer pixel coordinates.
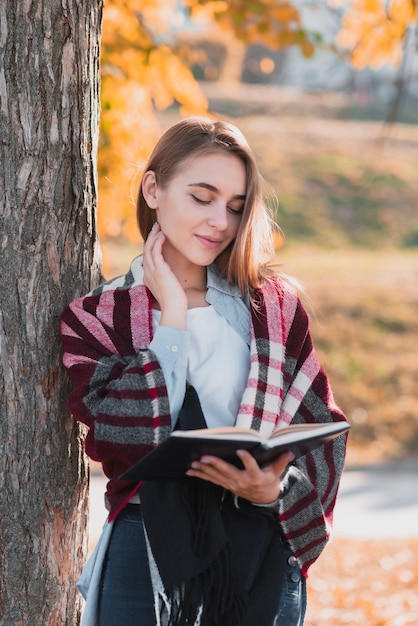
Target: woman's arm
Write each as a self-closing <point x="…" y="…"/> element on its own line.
<point x="119" y="390"/>
<point x="310" y="485"/>
<point x="307" y="489"/>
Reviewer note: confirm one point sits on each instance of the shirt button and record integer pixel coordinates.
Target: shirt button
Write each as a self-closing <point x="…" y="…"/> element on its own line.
<point x="174" y="348"/>
<point x="292" y="561"/>
<point x="294" y="577"/>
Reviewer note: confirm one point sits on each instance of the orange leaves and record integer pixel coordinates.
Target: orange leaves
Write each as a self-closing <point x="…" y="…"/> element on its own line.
<point x="375" y="35"/>
<point x="128" y="133"/>
<point x="142" y="70"/>
<point x="403" y="11"/>
<point x="360" y="581"/>
<point x="121" y="29"/>
<point x="274" y="23"/>
<point x="145" y="67"/>
<point x="170" y="79"/>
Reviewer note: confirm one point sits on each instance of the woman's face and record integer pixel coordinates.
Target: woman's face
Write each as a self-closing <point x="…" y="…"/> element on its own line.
<point x="200" y="209"/>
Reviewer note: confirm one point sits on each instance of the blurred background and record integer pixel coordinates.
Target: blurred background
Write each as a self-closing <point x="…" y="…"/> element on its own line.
<point x="327" y="95"/>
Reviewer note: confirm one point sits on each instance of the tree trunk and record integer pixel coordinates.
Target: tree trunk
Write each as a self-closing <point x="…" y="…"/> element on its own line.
<point x="49" y="107"/>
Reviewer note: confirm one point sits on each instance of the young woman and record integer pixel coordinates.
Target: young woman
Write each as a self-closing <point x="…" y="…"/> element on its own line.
<point x="203" y="311"/>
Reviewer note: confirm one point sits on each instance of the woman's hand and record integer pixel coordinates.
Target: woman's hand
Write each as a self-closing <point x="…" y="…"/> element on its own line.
<point x="162" y="282"/>
<point x="258" y="485"/>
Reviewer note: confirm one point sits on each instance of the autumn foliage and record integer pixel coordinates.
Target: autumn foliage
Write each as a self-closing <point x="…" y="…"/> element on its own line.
<point x="375" y="32"/>
<point x="146" y="69"/>
<point x="146" y="65"/>
<point x="139" y="75"/>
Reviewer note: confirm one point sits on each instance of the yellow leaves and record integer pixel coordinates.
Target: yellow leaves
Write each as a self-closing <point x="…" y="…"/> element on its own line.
<point x="403" y="12"/>
<point x="285" y="12"/>
<point x="121" y="28"/>
<point x="375" y="35"/>
<point x="308" y="49"/>
<point x="160" y="16"/>
<point x="274" y="23"/>
<point x="128" y="133"/>
<point x="169" y="80"/>
<point x="140" y="73"/>
<point x="146" y="68"/>
<point x="249" y="20"/>
<point x="206" y="10"/>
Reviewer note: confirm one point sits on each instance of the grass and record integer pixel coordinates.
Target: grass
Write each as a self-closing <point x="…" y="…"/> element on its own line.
<point x="363" y="320"/>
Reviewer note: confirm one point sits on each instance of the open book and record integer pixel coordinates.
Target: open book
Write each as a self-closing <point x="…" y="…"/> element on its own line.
<point x="173" y="457"/>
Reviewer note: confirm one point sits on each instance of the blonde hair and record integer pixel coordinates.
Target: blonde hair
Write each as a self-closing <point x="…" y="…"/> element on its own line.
<point x="249" y="259"/>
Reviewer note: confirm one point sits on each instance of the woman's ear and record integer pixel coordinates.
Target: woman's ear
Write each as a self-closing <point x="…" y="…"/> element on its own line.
<point x="149" y="189"/>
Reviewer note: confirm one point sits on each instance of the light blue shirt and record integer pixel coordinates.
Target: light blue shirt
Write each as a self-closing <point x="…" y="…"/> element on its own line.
<point x="170" y="345"/>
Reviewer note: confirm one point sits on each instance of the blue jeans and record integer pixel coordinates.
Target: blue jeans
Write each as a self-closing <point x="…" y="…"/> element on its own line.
<point x="126" y="591"/>
<point x="292" y="605"/>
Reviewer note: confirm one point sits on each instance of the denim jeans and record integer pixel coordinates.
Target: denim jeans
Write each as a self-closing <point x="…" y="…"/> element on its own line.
<point x="292" y="605"/>
<point x="126" y="591"/>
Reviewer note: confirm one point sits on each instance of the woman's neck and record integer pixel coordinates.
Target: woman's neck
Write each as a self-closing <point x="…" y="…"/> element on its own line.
<point x="193" y="279"/>
<point x="189" y="275"/>
<point x="196" y="298"/>
<point x="194" y="283"/>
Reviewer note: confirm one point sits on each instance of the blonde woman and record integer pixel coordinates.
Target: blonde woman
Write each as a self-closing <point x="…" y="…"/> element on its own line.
<point x="201" y="332"/>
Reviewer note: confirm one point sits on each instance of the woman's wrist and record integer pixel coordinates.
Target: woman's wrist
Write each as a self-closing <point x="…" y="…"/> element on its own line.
<point x="174" y="318"/>
<point x="269" y="505"/>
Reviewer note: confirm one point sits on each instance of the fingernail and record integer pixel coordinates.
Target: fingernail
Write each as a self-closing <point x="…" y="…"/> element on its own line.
<point x="154" y="226"/>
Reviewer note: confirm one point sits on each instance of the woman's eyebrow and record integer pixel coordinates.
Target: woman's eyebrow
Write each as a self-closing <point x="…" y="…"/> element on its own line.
<point x="214" y="189"/>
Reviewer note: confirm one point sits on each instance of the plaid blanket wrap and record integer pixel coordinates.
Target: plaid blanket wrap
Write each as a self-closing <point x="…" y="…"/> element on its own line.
<point x="120" y="394"/>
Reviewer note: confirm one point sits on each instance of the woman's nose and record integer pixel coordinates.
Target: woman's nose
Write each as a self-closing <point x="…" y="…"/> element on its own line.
<point x="218" y="217"/>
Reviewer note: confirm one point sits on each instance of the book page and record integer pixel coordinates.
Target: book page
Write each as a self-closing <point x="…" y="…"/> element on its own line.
<point x="225" y="432"/>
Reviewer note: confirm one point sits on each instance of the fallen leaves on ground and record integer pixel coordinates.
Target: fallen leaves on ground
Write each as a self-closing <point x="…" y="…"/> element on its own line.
<point x="365" y="583"/>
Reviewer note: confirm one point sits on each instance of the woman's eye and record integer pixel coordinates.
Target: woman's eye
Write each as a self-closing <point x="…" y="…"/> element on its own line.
<point x="236" y="210"/>
<point x="200" y="200"/>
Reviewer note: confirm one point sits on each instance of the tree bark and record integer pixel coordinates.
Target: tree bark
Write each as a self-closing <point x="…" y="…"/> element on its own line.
<point x="49" y="109"/>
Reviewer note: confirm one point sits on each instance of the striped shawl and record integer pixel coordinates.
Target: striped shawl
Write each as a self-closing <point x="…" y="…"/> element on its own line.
<point x="120" y="394"/>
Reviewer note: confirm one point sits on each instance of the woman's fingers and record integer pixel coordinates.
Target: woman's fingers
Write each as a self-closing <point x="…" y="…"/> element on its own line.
<point x="152" y="251"/>
<point x="279" y="465"/>
<point x="162" y="282"/>
<point x="261" y="485"/>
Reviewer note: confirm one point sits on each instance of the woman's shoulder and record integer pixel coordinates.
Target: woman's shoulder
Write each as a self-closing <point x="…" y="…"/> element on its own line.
<point x="283" y="286"/>
<point x="286" y="293"/>
<point x="133" y="278"/>
<point x="120" y="291"/>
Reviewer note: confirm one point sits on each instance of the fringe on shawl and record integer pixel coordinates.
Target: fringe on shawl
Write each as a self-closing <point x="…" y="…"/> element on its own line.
<point x="207" y="599"/>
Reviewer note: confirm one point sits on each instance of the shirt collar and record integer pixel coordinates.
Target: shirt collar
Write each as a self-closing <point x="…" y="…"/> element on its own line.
<point x="215" y="281"/>
<point x="214" y="278"/>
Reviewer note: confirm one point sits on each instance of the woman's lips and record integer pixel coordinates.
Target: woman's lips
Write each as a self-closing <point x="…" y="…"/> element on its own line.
<point x="208" y="242"/>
